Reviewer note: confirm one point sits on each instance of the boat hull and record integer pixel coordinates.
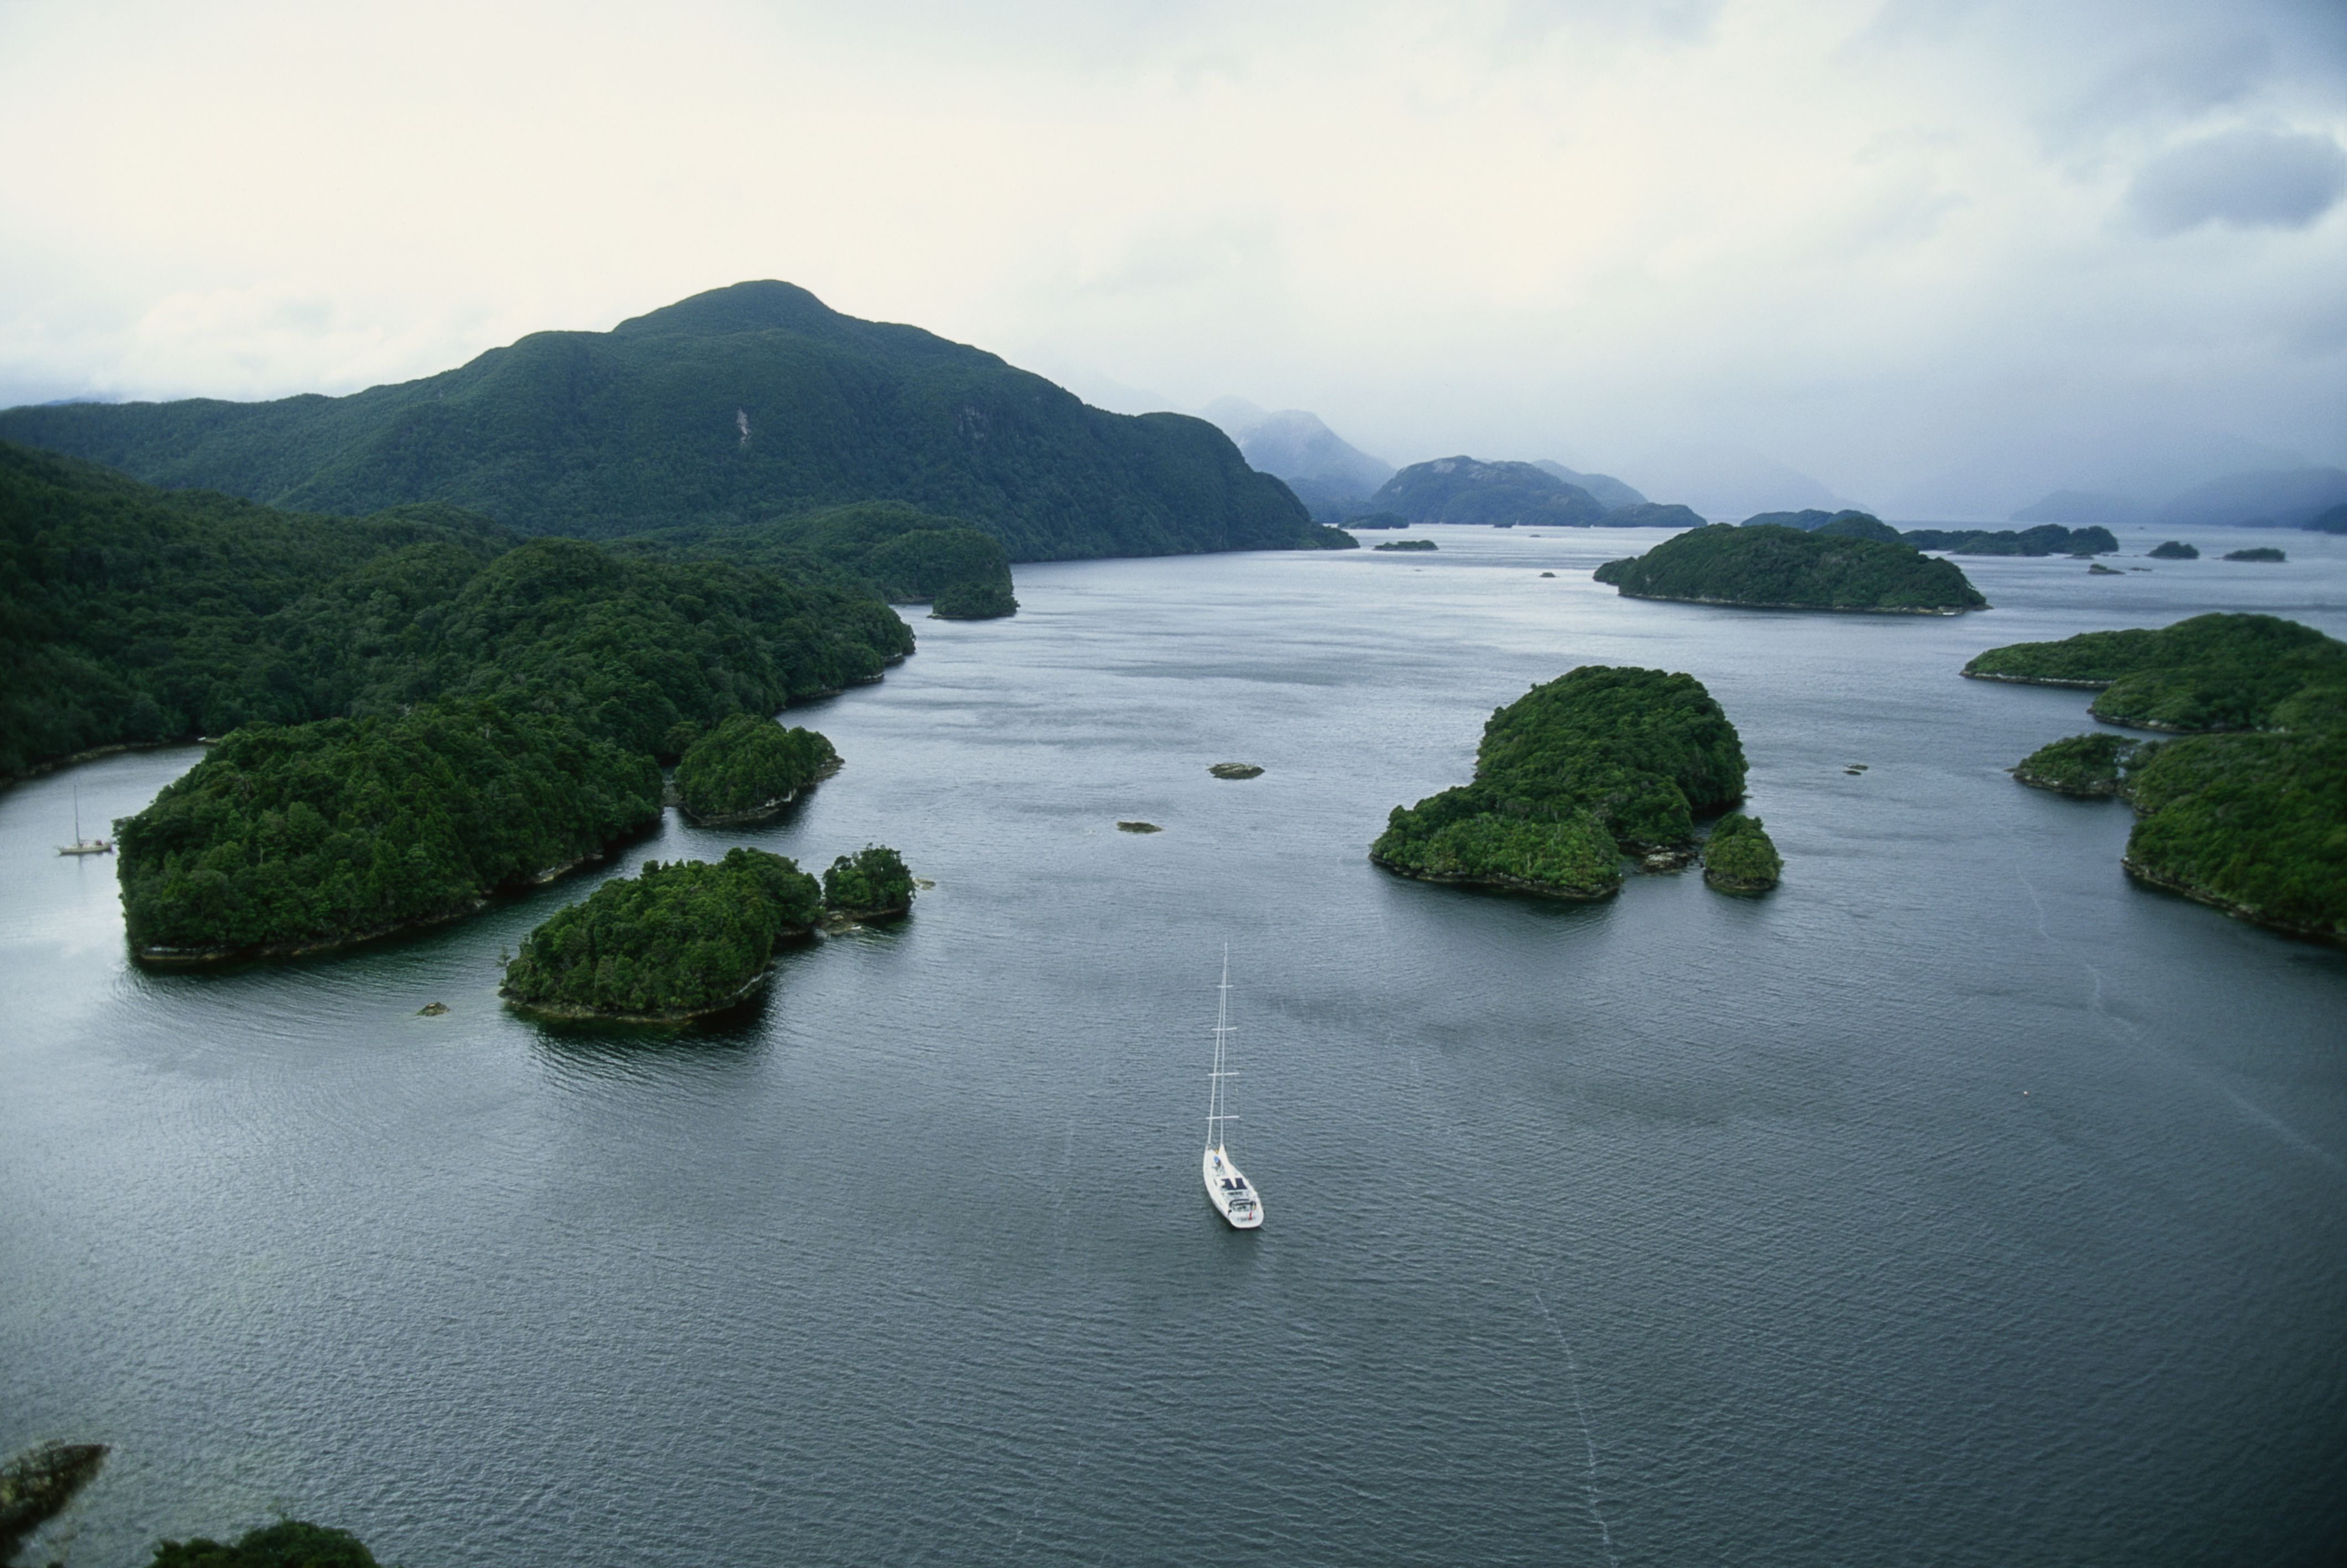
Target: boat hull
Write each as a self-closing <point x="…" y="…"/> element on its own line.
<point x="1233" y="1195"/>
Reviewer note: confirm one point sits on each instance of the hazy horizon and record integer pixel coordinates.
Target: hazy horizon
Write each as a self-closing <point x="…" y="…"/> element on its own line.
<point x="1940" y="257"/>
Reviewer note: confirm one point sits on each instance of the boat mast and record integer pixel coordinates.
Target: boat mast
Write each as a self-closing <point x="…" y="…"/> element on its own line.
<point x="1215" y="1098"/>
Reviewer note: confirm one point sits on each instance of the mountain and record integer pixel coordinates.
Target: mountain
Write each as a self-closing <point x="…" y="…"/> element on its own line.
<point x="736" y="406"/>
<point x="1610" y="492"/>
<point x="1464" y="490"/>
<point x="2085" y="507"/>
<point x="2286" y="498"/>
<point x="2151" y="460"/>
<point x="1326" y="472"/>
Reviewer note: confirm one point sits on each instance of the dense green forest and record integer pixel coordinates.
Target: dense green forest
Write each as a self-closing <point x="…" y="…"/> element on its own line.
<point x="2218" y="672"/>
<point x="2083" y="765"/>
<point x="1569" y="776"/>
<point x="290" y="836"/>
<point x="868" y="884"/>
<point x="749" y="765"/>
<point x="2254" y="822"/>
<point x="679" y="940"/>
<point x="129" y="614"/>
<point x="900" y="553"/>
<point x="2257" y="553"/>
<point x="734" y="406"/>
<point x="2175" y="549"/>
<point x="1503" y="495"/>
<point x="420" y="708"/>
<point x="1772" y="567"/>
<point x="1739" y="857"/>
<point x="288" y="1544"/>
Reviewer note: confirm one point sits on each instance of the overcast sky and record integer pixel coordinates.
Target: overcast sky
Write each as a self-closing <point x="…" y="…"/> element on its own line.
<point x="1935" y="253"/>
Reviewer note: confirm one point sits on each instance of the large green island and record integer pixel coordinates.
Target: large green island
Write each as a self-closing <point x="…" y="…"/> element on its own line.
<point x="2248" y="811"/>
<point x="748" y="768"/>
<point x="1775" y="567"/>
<point x="1568" y="777"/>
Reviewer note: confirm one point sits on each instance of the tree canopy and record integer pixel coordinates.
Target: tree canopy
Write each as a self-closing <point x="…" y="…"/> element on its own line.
<point x="869" y="882"/>
<point x="676" y="940"/>
<point x="749" y="764"/>
<point x="1770" y="567"/>
<point x="1568" y="776"/>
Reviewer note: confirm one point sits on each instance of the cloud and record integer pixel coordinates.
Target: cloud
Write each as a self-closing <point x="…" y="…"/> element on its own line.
<point x="2247" y="179"/>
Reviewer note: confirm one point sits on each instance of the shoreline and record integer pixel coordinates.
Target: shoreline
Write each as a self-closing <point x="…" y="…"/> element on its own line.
<point x="2247" y="912"/>
<point x="1829" y="609"/>
<point x="1502" y="881"/>
<point x="568" y="1014"/>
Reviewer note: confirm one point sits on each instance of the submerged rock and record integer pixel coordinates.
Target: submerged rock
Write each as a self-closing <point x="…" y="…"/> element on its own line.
<point x="1138" y="828"/>
<point x="432" y="1010"/>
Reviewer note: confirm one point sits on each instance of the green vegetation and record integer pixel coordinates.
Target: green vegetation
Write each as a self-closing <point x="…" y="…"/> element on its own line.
<point x="36" y="1485"/>
<point x="1768" y="566"/>
<point x="1503" y="495"/>
<point x="308" y="836"/>
<point x="1406" y="545"/>
<point x="748" y="767"/>
<point x="421" y="710"/>
<point x="2211" y="672"/>
<point x="732" y="407"/>
<point x="2255" y="823"/>
<point x="2046" y="539"/>
<point x="1860" y="526"/>
<point x="2175" y="549"/>
<point x="2256" y="553"/>
<point x="679" y="940"/>
<point x="1566" y="778"/>
<point x="2083" y="765"/>
<point x="288" y="1544"/>
<point x="1739" y="857"/>
<point x="1807" y="520"/>
<point x="870" y="883"/>
<point x="896" y="552"/>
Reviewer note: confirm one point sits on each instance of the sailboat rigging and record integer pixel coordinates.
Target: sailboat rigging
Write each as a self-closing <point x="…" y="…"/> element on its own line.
<point x="81" y="845"/>
<point x="1233" y="1198"/>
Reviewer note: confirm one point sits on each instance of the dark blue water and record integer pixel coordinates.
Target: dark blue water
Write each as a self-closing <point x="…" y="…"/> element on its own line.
<point x="1960" y="1203"/>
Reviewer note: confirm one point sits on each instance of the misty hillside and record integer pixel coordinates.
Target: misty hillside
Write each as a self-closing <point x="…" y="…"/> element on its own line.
<point x="2288" y="498"/>
<point x="735" y="405"/>
<point x="2085" y="506"/>
<point x="1503" y="495"/>
<point x="1610" y="493"/>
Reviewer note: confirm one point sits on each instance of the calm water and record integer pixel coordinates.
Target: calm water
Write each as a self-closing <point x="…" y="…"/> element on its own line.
<point x="1958" y="1203"/>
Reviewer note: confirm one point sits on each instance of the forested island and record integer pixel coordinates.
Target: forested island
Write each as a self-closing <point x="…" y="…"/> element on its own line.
<point x="2047" y="539"/>
<point x="1406" y="545"/>
<point x="671" y="943"/>
<point x="869" y="885"/>
<point x="2256" y="553"/>
<point x="1775" y="567"/>
<point x="749" y="767"/>
<point x="288" y="1544"/>
<point x="2174" y="550"/>
<point x="1739" y="856"/>
<point x="2249" y="811"/>
<point x="1569" y="776"/>
<point x="1498" y="495"/>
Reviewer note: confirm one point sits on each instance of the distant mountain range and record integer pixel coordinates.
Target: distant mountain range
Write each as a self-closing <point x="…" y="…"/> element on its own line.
<point x="1326" y="472"/>
<point x="2281" y="498"/>
<point x="738" y="405"/>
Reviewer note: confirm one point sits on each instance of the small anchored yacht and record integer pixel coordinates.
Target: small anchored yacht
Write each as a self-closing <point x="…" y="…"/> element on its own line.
<point x="1236" y="1201"/>
<point x="81" y="845"/>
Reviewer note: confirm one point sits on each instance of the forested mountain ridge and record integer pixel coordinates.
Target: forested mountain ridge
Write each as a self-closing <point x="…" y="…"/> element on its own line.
<point x="737" y="406"/>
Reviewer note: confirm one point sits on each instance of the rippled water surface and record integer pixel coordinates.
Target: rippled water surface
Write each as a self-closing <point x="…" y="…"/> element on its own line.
<point x="1960" y="1203"/>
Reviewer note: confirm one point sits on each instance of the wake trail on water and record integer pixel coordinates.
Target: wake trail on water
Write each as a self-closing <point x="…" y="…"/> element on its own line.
<point x="2126" y="1027"/>
<point x="1588" y="1441"/>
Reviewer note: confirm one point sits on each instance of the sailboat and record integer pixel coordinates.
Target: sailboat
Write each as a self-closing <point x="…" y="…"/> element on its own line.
<point x="1237" y="1201"/>
<point x="81" y="845"/>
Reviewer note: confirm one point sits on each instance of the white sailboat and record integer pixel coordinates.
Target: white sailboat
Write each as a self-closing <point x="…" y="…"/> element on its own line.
<point x="81" y="845"/>
<point x="1232" y="1197"/>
